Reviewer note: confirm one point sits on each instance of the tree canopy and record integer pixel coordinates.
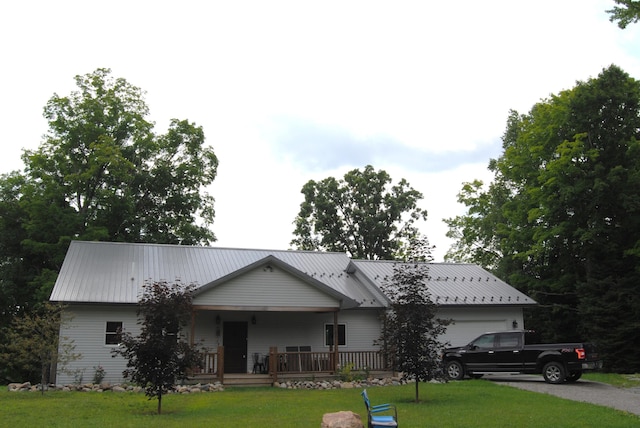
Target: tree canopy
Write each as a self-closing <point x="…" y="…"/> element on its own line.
<point x="561" y="220"/>
<point x="100" y="173"/>
<point x="361" y="214"/>
<point x="627" y="13"/>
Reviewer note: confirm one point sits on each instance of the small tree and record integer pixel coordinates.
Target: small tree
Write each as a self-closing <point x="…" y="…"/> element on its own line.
<point x="410" y="326"/>
<point x="159" y="355"/>
<point x="34" y="344"/>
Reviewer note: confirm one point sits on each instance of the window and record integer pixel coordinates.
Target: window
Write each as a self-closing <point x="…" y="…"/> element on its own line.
<point x="112" y="336"/>
<point x="328" y="334"/>
<point x="509" y="340"/>
<point x="484" y="342"/>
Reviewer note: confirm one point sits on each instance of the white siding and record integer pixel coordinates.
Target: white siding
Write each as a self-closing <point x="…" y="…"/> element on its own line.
<point x="87" y="329"/>
<point x="262" y="288"/>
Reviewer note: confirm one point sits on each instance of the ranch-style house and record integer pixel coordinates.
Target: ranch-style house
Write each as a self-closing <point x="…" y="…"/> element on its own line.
<point x="266" y="313"/>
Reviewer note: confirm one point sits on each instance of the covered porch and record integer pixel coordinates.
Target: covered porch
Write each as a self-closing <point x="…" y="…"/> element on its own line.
<point x="284" y="342"/>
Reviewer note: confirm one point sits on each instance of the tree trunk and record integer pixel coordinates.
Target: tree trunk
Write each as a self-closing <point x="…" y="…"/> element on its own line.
<point x="160" y="402"/>
<point x="417" y="392"/>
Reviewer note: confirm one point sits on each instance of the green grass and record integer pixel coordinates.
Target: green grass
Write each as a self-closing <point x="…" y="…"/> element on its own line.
<point x="618" y="380"/>
<point x="473" y="403"/>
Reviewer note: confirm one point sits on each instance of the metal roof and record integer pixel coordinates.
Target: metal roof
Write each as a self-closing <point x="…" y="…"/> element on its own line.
<point x="106" y="272"/>
<point x="109" y="272"/>
<point x="450" y="283"/>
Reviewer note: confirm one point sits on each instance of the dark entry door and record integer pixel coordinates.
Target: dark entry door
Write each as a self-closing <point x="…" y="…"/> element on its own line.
<point x="235" y="347"/>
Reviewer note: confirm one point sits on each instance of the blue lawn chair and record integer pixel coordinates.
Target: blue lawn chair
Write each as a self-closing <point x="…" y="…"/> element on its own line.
<point x="375" y="420"/>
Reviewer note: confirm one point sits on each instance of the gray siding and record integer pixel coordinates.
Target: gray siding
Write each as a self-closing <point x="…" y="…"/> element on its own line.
<point x="262" y="289"/>
<point x="87" y="329"/>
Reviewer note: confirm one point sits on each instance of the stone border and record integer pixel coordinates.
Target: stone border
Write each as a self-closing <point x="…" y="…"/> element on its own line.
<point x="217" y="386"/>
<point x="106" y="386"/>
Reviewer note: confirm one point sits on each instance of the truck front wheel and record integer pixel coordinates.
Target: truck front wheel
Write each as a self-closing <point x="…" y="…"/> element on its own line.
<point x="554" y="372"/>
<point x="454" y="370"/>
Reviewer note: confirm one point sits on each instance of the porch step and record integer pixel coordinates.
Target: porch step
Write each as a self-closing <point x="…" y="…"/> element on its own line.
<point x="235" y="379"/>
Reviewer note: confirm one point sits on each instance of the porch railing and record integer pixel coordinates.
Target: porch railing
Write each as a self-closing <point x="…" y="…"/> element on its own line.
<point x="284" y="363"/>
<point x="211" y="364"/>
<point x="301" y="362"/>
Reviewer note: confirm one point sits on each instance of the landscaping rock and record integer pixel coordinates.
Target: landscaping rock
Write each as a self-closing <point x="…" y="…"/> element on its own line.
<point x="341" y="420"/>
<point x="215" y="387"/>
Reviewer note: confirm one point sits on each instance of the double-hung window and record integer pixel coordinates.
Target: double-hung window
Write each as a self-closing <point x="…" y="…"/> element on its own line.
<point x="112" y="335"/>
<point x="328" y="334"/>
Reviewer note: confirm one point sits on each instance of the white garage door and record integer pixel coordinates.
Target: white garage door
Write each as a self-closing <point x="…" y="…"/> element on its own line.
<point x="462" y="332"/>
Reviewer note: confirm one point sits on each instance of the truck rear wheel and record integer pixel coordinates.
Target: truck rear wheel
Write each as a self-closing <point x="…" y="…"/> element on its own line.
<point x="574" y="376"/>
<point x="553" y="372"/>
<point x="454" y="370"/>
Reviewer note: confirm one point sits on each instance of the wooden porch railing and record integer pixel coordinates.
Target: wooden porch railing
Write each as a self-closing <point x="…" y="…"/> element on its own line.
<point x="290" y="363"/>
<point x="212" y="364"/>
<point x="283" y="363"/>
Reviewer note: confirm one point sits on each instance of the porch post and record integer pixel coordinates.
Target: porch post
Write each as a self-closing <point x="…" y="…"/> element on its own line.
<point x="273" y="363"/>
<point x="221" y="363"/>
<point x="336" y="341"/>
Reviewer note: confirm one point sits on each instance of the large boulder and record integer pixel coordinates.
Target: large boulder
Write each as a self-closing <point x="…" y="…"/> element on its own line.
<point x="341" y="420"/>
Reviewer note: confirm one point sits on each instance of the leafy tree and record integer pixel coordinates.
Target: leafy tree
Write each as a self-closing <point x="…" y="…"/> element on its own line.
<point x="33" y="344"/>
<point x="410" y="327"/>
<point x="100" y="173"/>
<point x="562" y="215"/>
<point x="627" y="13"/>
<point x="160" y="355"/>
<point x="361" y="215"/>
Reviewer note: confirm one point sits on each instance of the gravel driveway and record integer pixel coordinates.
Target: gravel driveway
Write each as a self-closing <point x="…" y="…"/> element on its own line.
<point x="627" y="400"/>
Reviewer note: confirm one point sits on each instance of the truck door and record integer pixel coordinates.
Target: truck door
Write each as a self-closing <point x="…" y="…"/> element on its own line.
<point x="479" y="354"/>
<point x="508" y="355"/>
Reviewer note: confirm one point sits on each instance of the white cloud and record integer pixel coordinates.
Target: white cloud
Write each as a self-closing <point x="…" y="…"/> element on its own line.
<point x="413" y="75"/>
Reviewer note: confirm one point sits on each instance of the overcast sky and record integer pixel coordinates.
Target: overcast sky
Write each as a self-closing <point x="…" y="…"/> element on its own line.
<point x="292" y="91"/>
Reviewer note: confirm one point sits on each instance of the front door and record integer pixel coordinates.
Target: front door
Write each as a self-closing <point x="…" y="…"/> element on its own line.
<point x="234" y="341"/>
<point x="480" y="353"/>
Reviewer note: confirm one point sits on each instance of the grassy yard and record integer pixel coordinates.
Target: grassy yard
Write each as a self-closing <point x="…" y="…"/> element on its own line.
<point x="473" y="403"/>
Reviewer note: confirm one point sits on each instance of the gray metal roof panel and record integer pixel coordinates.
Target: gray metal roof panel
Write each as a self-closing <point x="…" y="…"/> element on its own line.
<point x="452" y="283"/>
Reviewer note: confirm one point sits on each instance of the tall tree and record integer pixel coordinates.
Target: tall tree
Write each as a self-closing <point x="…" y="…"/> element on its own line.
<point x="362" y="214"/>
<point x="160" y="355"/>
<point x="563" y="213"/>
<point x="100" y="173"/>
<point x="411" y="329"/>
<point x="627" y="13"/>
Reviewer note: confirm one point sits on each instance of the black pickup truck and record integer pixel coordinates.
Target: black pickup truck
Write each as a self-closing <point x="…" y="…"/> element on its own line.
<point x="520" y="351"/>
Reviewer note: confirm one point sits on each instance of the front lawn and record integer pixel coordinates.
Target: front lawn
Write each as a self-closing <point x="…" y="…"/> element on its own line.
<point x="473" y="403"/>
